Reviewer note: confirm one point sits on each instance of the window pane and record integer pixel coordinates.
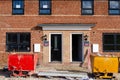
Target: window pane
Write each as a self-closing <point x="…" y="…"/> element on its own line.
<point x="87" y="4"/>
<point x="18" y="11"/>
<point x="24" y="42"/>
<point x="111" y="42"/>
<point x="108" y="39"/>
<point x="108" y="48"/>
<point x="44" y="11"/>
<point x="18" y="4"/>
<point x="24" y="47"/>
<point x="45" y="7"/>
<point x="118" y="47"/>
<point x="87" y="11"/>
<point x="18" y="42"/>
<point x="118" y="39"/>
<point x="18" y="7"/>
<point x="12" y="47"/>
<point x="12" y="38"/>
<point x="45" y="4"/>
<point x="114" y="4"/>
<point x="114" y="12"/>
<point x="25" y="38"/>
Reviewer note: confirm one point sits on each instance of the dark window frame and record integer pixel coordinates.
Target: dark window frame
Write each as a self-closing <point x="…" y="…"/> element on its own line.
<point x="18" y="42"/>
<point x="112" y="8"/>
<point x="115" y="44"/>
<point x="17" y="8"/>
<point x="92" y="9"/>
<point x="45" y="8"/>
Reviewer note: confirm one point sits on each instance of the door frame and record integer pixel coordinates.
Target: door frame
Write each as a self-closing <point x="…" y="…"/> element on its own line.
<point x="50" y="46"/>
<point x="71" y="46"/>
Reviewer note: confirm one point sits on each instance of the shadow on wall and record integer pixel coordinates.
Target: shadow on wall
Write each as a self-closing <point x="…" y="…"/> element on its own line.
<point x="84" y="63"/>
<point x="36" y="28"/>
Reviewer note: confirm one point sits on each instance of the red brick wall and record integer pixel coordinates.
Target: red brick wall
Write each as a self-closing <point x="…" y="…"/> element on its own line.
<point x="31" y="7"/>
<point x="5" y="6"/>
<point x="66" y="11"/>
<point x="101" y="7"/>
<point x="66" y="7"/>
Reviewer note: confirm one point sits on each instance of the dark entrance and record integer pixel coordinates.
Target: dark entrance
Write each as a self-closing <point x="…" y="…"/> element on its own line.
<point x="56" y="47"/>
<point x="77" y="53"/>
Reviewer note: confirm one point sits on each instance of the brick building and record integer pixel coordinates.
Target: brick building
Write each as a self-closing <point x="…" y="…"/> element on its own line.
<point x="59" y="31"/>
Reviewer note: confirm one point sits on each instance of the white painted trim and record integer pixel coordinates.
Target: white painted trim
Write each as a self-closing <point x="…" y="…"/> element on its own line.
<point x="71" y="45"/>
<point x="66" y="26"/>
<point x="50" y="45"/>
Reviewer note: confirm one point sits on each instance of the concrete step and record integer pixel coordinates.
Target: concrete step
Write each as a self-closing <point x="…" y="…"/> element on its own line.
<point x="63" y="74"/>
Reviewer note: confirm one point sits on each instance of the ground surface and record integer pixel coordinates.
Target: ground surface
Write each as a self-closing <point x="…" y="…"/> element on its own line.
<point x="4" y="75"/>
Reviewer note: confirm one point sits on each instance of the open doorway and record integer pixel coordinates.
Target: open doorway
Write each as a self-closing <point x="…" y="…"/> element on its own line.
<point x="77" y="47"/>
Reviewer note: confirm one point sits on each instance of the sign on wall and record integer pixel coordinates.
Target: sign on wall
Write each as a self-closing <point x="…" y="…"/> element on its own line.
<point x="46" y="43"/>
<point x="86" y="43"/>
<point x="95" y="48"/>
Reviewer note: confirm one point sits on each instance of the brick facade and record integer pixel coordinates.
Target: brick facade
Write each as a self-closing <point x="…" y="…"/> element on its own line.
<point x="65" y="12"/>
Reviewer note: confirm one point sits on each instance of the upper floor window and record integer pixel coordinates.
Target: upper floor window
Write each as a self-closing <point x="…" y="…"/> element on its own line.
<point x="114" y="7"/>
<point x="17" y="6"/>
<point x="111" y="42"/>
<point x="45" y="7"/>
<point x="19" y="42"/>
<point x="87" y="7"/>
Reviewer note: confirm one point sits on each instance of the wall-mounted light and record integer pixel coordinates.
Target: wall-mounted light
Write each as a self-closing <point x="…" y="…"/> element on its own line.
<point x="44" y="37"/>
<point x="86" y="37"/>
